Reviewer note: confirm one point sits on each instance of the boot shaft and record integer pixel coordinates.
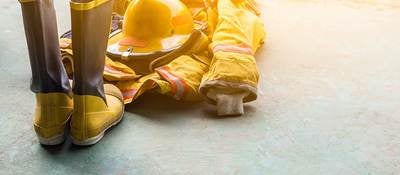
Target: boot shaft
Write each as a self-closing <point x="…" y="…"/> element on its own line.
<point x="48" y="73"/>
<point x="90" y="23"/>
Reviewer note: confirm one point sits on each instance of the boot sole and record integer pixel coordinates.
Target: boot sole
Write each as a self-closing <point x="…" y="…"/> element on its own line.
<point x="97" y="138"/>
<point x="55" y="140"/>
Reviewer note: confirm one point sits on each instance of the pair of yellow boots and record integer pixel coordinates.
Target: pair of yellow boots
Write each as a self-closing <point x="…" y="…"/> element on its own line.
<point x="87" y="116"/>
<point x="93" y="107"/>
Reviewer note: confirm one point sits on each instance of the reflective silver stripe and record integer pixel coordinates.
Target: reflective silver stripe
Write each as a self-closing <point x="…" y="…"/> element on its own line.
<point x="111" y="70"/>
<point x="180" y="86"/>
<point x="81" y="6"/>
<point x="242" y="49"/>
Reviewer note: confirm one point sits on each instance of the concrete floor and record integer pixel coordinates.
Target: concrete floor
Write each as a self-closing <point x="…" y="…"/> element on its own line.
<point x="329" y="103"/>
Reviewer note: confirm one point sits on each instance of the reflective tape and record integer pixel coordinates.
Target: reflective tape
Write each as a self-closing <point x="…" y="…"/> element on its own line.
<point x="242" y="49"/>
<point x="178" y="85"/>
<point x="81" y="6"/>
<point x="116" y="72"/>
<point x="129" y="93"/>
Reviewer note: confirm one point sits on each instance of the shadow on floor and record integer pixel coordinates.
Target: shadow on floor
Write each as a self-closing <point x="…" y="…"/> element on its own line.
<point x="155" y="107"/>
<point x="163" y="108"/>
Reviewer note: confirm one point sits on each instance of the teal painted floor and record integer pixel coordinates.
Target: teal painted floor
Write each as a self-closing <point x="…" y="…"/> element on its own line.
<point x="329" y="103"/>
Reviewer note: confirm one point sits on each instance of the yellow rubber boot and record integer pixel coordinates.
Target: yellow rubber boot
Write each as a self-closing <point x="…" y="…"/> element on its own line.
<point x="97" y="107"/>
<point x="92" y="116"/>
<point x="52" y="113"/>
<point x="49" y="79"/>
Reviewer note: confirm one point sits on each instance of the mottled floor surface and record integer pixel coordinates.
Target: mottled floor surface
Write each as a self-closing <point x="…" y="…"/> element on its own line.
<point x="329" y="103"/>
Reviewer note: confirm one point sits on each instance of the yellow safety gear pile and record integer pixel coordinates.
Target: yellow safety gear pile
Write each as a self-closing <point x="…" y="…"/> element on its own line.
<point x="189" y="49"/>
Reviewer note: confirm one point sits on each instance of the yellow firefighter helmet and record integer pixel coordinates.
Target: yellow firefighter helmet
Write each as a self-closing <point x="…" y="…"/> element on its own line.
<point x="155" y="25"/>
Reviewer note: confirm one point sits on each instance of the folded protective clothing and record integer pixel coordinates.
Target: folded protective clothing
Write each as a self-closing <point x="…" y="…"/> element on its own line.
<point x="217" y="63"/>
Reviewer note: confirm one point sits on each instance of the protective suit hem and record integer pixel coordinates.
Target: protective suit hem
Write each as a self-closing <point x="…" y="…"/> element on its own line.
<point x="204" y="87"/>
